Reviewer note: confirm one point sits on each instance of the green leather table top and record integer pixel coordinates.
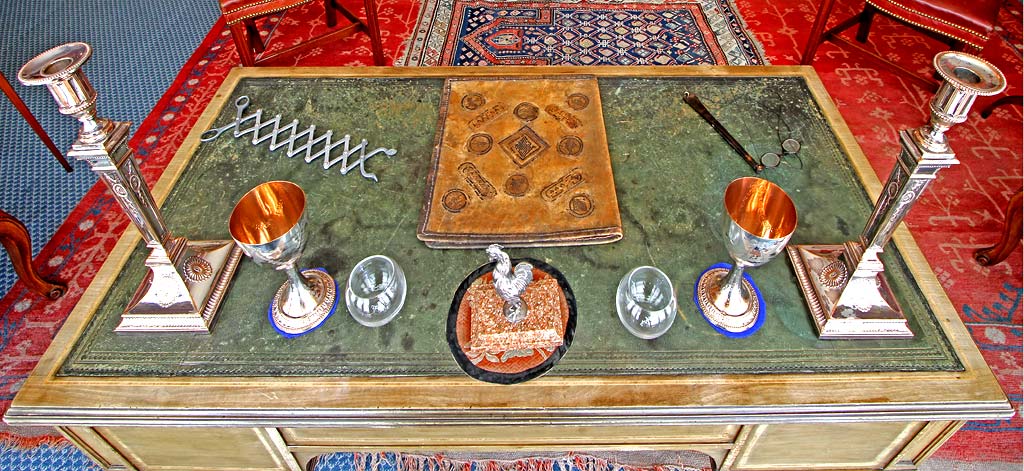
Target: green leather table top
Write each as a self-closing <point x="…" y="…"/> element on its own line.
<point x="670" y="171"/>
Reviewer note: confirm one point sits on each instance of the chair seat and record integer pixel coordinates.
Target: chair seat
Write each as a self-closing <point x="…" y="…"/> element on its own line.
<point x="238" y="10"/>
<point x="970" y="22"/>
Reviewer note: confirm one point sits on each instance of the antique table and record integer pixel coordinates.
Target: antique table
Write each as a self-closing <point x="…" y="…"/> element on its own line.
<point x="246" y="398"/>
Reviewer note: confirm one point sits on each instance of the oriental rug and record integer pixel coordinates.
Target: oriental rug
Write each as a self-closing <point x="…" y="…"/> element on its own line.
<point x="596" y="32"/>
<point x="961" y="212"/>
<point x="64" y="457"/>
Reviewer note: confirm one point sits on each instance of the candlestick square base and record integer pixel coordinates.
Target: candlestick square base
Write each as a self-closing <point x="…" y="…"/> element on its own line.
<point x="843" y="306"/>
<point x="206" y="267"/>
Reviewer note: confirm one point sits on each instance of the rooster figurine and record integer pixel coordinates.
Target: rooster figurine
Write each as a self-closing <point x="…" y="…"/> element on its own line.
<point x="509" y="283"/>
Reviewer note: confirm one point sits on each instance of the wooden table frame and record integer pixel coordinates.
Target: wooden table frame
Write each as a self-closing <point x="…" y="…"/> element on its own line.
<point x="745" y="422"/>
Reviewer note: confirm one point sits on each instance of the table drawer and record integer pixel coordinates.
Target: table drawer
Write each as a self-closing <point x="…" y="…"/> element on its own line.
<point x="506" y="437"/>
<point x="866" y="445"/>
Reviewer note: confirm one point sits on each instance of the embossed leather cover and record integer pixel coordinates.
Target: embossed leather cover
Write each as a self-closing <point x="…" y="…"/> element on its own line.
<point x="521" y="162"/>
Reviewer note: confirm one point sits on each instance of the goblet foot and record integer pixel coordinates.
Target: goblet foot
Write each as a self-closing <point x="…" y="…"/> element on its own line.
<point x="324" y="290"/>
<point x="731" y="324"/>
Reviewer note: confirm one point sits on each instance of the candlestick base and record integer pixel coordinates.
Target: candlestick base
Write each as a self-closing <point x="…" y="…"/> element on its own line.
<point x="844" y="306"/>
<point x="183" y="295"/>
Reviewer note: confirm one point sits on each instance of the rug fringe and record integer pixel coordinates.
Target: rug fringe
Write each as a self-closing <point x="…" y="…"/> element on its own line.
<point x="11" y="440"/>
<point x="393" y="461"/>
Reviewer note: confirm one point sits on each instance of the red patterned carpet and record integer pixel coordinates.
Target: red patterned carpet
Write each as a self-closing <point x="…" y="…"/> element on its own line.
<point x="961" y="212"/>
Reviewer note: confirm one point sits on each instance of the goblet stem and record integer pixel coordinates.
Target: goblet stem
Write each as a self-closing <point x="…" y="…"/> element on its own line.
<point x="732" y="298"/>
<point x="299" y="300"/>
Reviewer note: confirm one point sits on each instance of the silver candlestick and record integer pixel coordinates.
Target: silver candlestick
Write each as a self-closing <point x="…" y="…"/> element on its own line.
<point x="186" y="279"/>
<point x="845" y="285"/>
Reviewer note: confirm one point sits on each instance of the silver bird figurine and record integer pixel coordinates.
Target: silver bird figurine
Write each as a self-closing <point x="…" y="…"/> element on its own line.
<point x="510" y="283"/>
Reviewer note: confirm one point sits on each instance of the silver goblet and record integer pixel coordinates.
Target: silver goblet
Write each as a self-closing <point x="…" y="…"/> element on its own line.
<point x="268" y="223"/>
<point x="758" y="220"/>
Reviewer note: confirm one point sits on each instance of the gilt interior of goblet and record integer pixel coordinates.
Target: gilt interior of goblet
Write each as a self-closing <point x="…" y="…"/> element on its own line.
<point x="267" y="212"/>
<point x="761" y="208"/>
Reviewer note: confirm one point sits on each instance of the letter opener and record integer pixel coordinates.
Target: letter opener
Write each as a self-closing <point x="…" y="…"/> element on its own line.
<point x="695" y="103"/>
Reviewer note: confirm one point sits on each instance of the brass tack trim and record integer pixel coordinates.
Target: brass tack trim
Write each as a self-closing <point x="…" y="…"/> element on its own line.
<point x="246" y="17"/>
<point x="929" y="28"/>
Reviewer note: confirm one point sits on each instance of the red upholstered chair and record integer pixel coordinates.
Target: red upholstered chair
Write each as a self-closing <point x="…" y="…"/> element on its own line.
<point x="15" y="239"/>
<point x="1010" y="239"/>
<point x="963" y="24"/>
<point x="14" y="235"/>
<point x="241" y="17"/>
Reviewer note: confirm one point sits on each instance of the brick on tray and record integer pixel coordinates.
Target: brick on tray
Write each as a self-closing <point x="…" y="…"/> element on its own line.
<point x="490" y="332"/>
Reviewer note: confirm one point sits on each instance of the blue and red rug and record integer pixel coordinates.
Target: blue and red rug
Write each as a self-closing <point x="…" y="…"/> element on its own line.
<point x="664" y="32"/>
<point x="64" y="457"/>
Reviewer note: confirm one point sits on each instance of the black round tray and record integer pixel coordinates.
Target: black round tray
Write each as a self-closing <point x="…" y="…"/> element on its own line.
<point x="481" y="374"/>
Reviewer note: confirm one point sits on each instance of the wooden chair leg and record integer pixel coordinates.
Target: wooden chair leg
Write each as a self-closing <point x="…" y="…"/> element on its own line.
<point x="14" y="237"/>
<point x="373" y="29"/>
<point x="32" y="121"/>
<point x="1010" y="238"/>
<point x="252" y="49"/>
<point x="332" y="9"/>
<point x="866" y="17"/>
<point x="254" y="40"/>
<point x="245" y="52"/>
<point x="817" y="31"/>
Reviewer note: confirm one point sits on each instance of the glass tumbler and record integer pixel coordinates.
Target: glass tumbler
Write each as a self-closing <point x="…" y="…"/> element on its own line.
<point x="646" y="302"/>
<point x="375" y="291"/>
